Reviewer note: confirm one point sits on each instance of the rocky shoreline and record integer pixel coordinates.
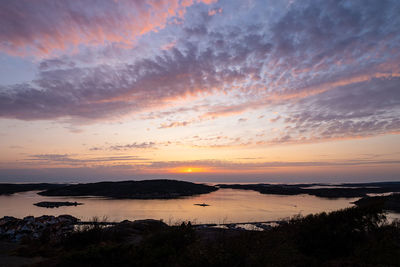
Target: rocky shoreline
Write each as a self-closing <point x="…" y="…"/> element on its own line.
<point x="31" y="228"/>
<point x="325" y="239"/>
<point x="14" y="229"/>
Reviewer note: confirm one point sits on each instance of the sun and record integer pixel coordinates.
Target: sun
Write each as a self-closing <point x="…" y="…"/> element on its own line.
<point x="187" y="170"/>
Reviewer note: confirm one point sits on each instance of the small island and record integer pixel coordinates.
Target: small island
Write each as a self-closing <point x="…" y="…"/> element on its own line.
<point x="56" y="204"/>
<point x="147" y="189"/>
<point x="201" y="205"/>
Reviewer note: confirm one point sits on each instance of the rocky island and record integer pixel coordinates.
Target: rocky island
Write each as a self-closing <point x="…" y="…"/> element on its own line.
<point x="201" y="204"/>
<point x="147" y="189"/>
<point x="56" y="204"/>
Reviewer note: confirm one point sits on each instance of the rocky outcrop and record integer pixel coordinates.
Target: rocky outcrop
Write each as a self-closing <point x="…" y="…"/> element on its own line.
<point x="30" y="227"/>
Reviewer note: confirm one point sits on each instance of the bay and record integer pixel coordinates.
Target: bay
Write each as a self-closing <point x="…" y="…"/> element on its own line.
<point x="226" y="206"/>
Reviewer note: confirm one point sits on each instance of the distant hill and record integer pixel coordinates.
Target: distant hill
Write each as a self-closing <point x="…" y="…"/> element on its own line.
<point x="147" y="189"/>
<point x="320" y="190"/>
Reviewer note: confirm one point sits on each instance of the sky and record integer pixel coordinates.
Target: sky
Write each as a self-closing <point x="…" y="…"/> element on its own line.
<point x="200" y="90"/>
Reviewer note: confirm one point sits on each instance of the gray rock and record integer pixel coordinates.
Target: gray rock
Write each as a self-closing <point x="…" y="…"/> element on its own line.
<point x="7" y="219"/>
<point x="67" y="218"/>
<point x="39" y="225"/>
<point x="30" y="227"/>
<point x="44" y="218"/>
<point x="19" y="237"/>
<point x="10" y="232"/>
<point x="51" y="221"/>
<point x="26" y="228"/>
<point x="29" y="219"/>
<point x="36" y="235"/>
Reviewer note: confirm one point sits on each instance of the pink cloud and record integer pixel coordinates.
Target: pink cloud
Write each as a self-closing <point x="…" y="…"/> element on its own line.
<point x="215" y="11"/>
<point x="174" y="124"/>
<point x="169" y="45"/>
<point x="44" y="26"/>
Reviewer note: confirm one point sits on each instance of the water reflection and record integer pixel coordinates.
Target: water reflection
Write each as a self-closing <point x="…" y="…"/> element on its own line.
<point x="226" y="205"/>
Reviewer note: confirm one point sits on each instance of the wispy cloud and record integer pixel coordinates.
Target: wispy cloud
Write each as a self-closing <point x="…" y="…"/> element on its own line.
<point x="135" y="145"/>
<point x="214" y="11"/>
<point x="174" y="124"/>
<point x="72" y="160"/>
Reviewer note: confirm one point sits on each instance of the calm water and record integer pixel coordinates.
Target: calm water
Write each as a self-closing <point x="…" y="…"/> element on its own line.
<point x="226" y="205"/>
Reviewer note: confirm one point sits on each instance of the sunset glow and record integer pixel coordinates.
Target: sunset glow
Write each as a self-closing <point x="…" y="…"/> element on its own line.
<point x="188" y="170"/>
<point x="293" y="91"/>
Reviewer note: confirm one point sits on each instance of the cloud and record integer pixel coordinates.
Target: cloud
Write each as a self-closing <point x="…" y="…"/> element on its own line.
<point x="66" y="159"/>
<point x="357" y="110"/>
<point x="73" y="129"/>
<point x="217" y="141"/>
<point x="169" y="45"/>
<point x="15" y="147"/>
<point x="42" y="27"/>
<point x="55" y="63"/>
<point x="226" y="111"/>
<point x="275" y="119"/>
<point x="331" y="68"/>
<point x="107" y="91"/>
<point x="135" y="145"/>
<point x="214" y="11"/>
<point x="174" y="124"/>
<point x="336" y="40"/>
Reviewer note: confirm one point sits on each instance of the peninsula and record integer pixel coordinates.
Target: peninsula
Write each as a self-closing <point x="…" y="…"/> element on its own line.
<point x="8" y="188"/>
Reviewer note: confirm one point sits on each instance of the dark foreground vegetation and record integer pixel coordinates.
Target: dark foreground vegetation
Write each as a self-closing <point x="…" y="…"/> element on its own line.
<point x="8" y="189"/>
<point x="340" y="190"/>
<point x="358" y="236"/>
<point x="147" y="189"/>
